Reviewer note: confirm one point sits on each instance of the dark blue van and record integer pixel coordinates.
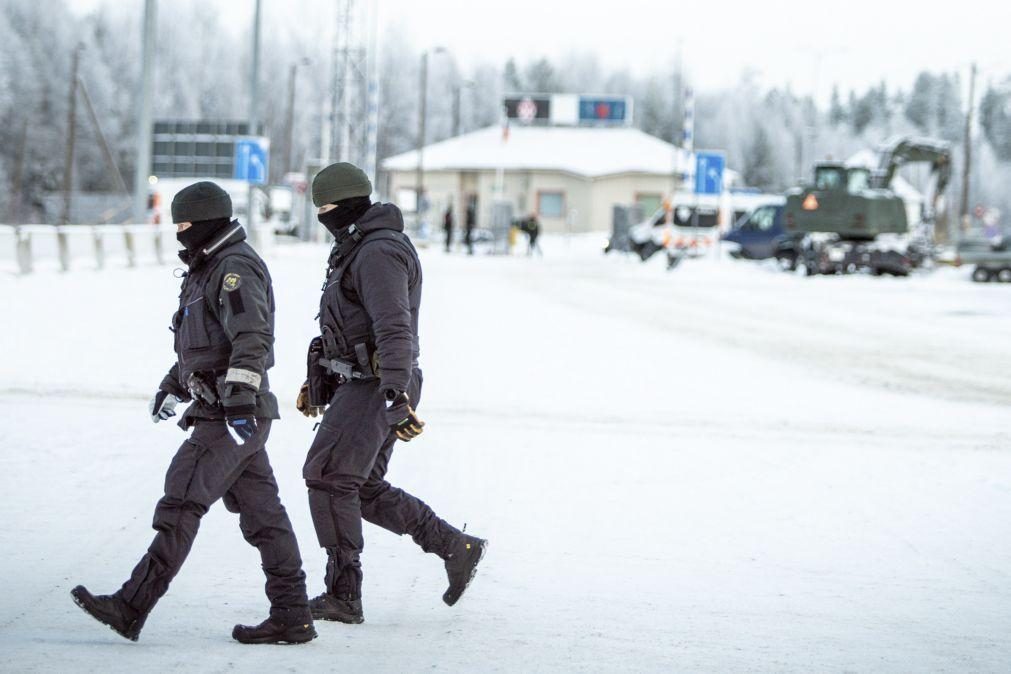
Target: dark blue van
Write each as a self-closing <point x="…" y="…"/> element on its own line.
<point x="760" y="235"/>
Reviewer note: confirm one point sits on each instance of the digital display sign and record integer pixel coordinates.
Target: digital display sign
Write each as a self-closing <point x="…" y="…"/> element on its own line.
<point x="602" y="109"/>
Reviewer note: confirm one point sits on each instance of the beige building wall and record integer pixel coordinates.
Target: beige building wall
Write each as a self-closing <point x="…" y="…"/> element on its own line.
<point x="624" y="189"/>
<point x="587" y="207"/>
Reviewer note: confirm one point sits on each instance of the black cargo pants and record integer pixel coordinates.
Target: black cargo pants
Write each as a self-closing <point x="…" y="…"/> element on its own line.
<point x="345" y="473"/>
<point x="209" y="466"/>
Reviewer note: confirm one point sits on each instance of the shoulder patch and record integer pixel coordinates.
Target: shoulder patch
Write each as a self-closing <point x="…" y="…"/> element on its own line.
<point x="231" y="282"/>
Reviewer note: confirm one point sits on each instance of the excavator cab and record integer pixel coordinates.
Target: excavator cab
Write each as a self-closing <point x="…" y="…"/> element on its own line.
<point x="838" y="178"/>
<point x="829" y="177"/>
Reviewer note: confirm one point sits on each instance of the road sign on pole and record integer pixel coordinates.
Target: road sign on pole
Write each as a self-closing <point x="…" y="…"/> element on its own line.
<point x="709" y="172"/>
<point x="251" y="159"/>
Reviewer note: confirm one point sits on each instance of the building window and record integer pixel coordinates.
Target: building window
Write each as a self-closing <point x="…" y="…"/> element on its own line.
<point x="551" y="204"/>
<point x="649" y="202"/>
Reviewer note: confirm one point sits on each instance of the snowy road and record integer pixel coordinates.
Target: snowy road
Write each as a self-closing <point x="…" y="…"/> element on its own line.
<point x="719" y="469"/>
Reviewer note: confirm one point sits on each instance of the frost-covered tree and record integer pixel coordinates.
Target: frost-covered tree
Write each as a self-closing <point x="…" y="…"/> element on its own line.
<point x="995" y="119"/>
<point x="511" y="77"/>
<point x="540" y="77"/>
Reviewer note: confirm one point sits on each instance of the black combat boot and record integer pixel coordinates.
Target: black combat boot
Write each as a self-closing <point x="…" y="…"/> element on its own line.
<point x="461" y="565"/>
<point x="342" y="600"/>
<point x="328" y="607"/>
<point x="110" y="610"/>
<point x="282" y="627"/>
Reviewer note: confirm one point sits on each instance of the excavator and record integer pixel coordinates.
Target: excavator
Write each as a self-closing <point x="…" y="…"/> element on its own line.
<point x="850" y="219"/>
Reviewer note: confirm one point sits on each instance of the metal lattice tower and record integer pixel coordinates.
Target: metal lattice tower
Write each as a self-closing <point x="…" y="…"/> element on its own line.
<point x="349" y="89"/>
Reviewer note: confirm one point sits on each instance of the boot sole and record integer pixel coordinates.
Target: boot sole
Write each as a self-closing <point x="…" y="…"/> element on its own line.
<point x="83" y="607"/>
<point x="293" y="637"/>
<point x="339" y="618"/>
<point x="473" y="572"/>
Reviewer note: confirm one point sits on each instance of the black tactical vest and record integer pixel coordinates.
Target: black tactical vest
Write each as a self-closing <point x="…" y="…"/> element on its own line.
<point x="200" y="341"/>
<point x="344" y="324"/>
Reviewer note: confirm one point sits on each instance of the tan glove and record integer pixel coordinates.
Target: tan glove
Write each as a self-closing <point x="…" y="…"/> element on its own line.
<point x="302" y="403"/>
<point x="401" y="416"/>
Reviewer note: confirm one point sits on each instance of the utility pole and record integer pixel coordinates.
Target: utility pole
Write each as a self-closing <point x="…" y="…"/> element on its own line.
<point x="372" y="96"/>
<point x="254" y="73"/>
<point x="677" y="119"/>
<point x="68" y="169"/>
<point x="289" y="121"/>
<point x="254" y="92"/>
<point x="143" y="168"/>
<point x="966" y="169"/>
<point x="457" y="88"/>
<point x="422" y="105"/>
<point x="289" y="124"/>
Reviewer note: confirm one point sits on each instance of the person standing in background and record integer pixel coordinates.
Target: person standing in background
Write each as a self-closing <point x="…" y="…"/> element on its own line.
<point x="447" y="225"/>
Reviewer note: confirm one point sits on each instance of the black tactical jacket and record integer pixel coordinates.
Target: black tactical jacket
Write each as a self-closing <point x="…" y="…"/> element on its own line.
<point x="224" y="329"/>
<point x="372" y="297"/>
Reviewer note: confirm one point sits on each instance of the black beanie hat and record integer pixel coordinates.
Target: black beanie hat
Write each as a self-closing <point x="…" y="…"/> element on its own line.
<point x="201" y="201"/>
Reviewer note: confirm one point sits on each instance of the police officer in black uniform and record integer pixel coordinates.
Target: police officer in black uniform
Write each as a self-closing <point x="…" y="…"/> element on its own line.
<point x="365" y="366"/>
<point x="224" y="335"/>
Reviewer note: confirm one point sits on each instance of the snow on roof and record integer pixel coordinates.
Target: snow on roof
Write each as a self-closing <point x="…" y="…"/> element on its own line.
<point x="586" y="151"/>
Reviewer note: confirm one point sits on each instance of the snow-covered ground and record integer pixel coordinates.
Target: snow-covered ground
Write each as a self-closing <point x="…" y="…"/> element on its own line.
<point x="722" y="468"/>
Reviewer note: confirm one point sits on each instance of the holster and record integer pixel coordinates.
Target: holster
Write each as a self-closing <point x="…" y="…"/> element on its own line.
<point x="322" y="384"/>
<point x="202" y="386"/>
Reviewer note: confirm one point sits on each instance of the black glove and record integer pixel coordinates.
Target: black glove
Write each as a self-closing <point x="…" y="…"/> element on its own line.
<point x="239" y="402"/>
<point x="402" y="417"/>
<point x="162" y="406"/>
<point x="241" y="427"/>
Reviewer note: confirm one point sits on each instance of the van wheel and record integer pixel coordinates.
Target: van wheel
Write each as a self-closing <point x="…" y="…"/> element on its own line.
<point x="787" y="262"/>
<point x="981" y="275"/>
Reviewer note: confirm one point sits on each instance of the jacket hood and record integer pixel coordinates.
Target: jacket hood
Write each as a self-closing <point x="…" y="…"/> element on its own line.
<point x="381" y="216"/>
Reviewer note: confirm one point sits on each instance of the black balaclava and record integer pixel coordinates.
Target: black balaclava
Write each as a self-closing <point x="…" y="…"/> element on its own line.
<point x="337" y="220"/>
<point x="201" y="233"/>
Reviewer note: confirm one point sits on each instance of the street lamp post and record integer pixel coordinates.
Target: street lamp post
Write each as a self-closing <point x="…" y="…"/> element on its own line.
<point x="422" y="112"/>
<point x="457" y="89"/>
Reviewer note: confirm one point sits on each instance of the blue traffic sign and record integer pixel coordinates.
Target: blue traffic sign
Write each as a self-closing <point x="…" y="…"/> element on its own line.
<point x="251" y="159"/>
<point x="709" y="172"/>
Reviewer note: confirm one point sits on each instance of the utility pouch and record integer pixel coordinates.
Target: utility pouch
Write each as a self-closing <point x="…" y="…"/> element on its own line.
<point x="321" y="383"/>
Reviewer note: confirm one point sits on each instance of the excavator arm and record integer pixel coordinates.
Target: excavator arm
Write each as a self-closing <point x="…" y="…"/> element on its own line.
<point x="896" y="153"/>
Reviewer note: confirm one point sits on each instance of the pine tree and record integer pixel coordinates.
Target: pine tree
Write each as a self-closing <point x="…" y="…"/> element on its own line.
<point x="511" y="78"/>
<point x="919" y="106"/>
<point x="540" y="77"/>
<point x="837" y="114"/>
<point x="759" y="169"/>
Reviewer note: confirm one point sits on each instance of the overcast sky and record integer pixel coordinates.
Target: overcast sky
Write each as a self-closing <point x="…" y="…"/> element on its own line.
<point x="809" y="45"/>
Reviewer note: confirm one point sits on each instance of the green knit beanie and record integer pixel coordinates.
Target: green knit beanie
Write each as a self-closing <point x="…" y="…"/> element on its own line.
<point x="338" y="182"/>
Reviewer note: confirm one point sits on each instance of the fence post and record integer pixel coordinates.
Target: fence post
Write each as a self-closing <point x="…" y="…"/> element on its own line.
<point x="24" y="249"/>
<point x="159" y="254"/>
<point x="64" y="248"/>
<point x="131" y="251"/>
<point x="96" y="232"/>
